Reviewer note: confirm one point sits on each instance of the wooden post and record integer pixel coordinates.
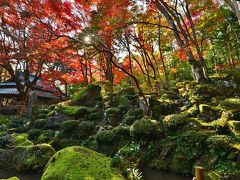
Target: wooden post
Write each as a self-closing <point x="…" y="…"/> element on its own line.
<point x="198" y="172"/>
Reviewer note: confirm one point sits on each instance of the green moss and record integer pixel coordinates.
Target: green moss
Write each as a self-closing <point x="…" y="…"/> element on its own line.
<point x="46" y="136"/>
<point x="64" y="142"/>
<point x="160" y="107"/>
<point x="12" y="178"/>
<point x="230" y="104"/>
<point x="88" y="96"/>
<point x="175" y="121"/>
<point x="193" y="111"/>
<point x="96" y="116"/>
<point x="27" y="158"/>
<point x="112" y="111"/>
<point x="78" y="163"/>
<point x="132" y="115"/>
<point x="20" y="140"/>
<point x="34" y="133"/>
<point x="129" y="120"/>
<point x="106" y="136"/>
<point x="85" y="129"/>
<point x="33" y="158"/>
<point x="39" y="123"/>
<point x="234" y="126"/>
<point x="114" y="116"/>
<point x="4" y="119"/>
<point x="220" y="141"/>
<point x="145" y="128"/>
<point x="226" y="167"/>
<point x="209" y="113"/>
<point x="41" y="116"/>
<point x="213" y="175"/>
<point x="75" y="111"/>
<point x="109" y="141"/>
<point x="69" y="125"/>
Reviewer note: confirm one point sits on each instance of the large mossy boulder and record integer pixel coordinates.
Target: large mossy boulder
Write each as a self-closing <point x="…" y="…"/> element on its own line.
<point x="146" y="128"/>
<point x="132" y="115"/>
<point x="208" y="113"/>
<point x="20" y="140"/>
<point x="75" y="112"/>
<point x="26" y="158"/>
<point x="175" y="121"/>
<point x="234" y="127"/>
<point x="88" y="96"/>
<point x="114" y="116"/>
<point x="69" y="126"/>
<point x="232" y="104"/>
<point x="12" y="178"/>
<point x="109" y="141"/>
<point x="77" y="163"/>
<point x="161" y="107"/>
<point x="125" y="97"/>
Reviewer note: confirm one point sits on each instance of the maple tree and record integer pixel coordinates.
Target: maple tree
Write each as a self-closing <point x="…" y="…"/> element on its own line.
<point x="72" y="42"/>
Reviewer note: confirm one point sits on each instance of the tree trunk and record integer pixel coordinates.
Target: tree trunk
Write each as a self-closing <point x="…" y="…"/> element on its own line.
<point x="197" y="72"/>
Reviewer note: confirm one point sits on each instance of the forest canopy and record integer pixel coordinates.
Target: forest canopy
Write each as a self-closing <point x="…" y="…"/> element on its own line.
<point x="147" y="43"/>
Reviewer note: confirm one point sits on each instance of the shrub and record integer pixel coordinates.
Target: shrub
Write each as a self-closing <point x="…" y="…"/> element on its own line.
<point x="218" y="142"/>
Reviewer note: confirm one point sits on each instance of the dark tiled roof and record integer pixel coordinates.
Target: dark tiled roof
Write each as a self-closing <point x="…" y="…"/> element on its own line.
<point x="7" y="84"/>
<point x="9" y="91"/>
<point x="40" y="93"/>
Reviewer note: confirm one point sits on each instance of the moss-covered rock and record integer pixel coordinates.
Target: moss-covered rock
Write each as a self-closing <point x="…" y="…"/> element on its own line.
<point x="109" y="141"/>
<point x="159" y="107"/>
<point x="46" y="136"/>
<point x="12" y="178"/>
<point x="34" y="133"/>
<point x="79" y="163"/>
<point x="175" y="121"/>
<point x="218" y="142"/>
<point x="95" y="116"/>
<point x="230" y="104"/>
<point x="193" y="111"/>
<point x="146" y="128"/>
<point x="234" y="127"/>
<point x="63" y="142"/>
<point x="41" y="115"/>
<point x="39" y="123"/>
<point x="20" y="140"/>
<point x="69" y="125"/>
<point x="213" y="175"/>
<point x="132" y="115"/>
<point x="209" y="113"/>
<point x="85" y="129"/>
<point x="26" y="158"/>
<point x="191" y="145"/>
<point x="74" y="111"/>
<point x="88" y="96"/>
<point x="4" y="119"/>
<point x="114" y="116"/>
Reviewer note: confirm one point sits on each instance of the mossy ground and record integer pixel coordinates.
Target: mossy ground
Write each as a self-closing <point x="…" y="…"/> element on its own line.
<point x="193" y="124"/>
<point x="78" y="163"/>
